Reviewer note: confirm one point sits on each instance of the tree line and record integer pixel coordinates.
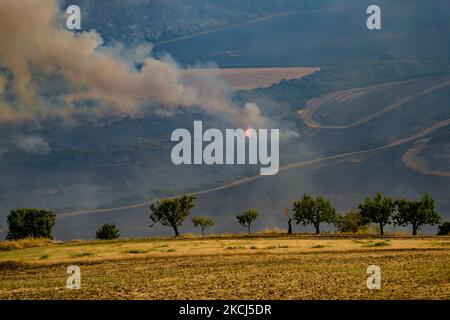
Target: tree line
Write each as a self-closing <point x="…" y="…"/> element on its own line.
<point x="308" y="210"/>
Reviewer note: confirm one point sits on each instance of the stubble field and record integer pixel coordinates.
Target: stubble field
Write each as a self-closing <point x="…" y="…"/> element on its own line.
<point x="231" y="267"/>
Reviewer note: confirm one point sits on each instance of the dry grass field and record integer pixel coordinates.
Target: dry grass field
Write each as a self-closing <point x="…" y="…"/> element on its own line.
<point x="229" y="267"/>
<point x="249" y="78"/>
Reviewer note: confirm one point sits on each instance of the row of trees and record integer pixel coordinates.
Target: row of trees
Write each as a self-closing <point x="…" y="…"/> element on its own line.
<point x="308" y="210"/>
<point x="379" y="210"/>
<point x="172" y="213"/>
<point x="315" y="211"/>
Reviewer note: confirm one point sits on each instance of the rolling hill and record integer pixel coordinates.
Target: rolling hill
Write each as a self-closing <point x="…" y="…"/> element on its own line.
<point x="374" y="89"/>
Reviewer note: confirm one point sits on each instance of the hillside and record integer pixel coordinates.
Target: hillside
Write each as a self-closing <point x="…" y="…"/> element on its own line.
<point x="126" y="162"/>
<point x="271" y="33"/>
<point x="164" y="20"/>
<point x="320" y="35"/>
<point x="391" y="81"/>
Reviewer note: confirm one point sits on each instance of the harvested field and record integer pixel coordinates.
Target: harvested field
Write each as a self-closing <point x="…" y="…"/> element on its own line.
<point x="278" y="267"/>
<point x="249" y="78"/>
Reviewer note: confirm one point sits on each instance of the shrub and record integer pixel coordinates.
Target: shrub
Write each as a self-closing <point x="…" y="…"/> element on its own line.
<point x="108" y="232"/>
<point x="83" y="255"/>
<point x="444" y="229"/>
<point x="349" y="222"/>
<point x="137" y="251"/>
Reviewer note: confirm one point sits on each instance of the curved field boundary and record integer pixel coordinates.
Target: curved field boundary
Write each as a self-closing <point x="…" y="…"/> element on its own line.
<point x="248" y="78"/>
<point x="315" y="104"/>
<point x="409" y="159"/>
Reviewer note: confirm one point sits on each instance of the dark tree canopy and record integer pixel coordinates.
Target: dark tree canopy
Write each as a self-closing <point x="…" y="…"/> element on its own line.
<point x="203" y="223"/>
<point x="444" y="229"/>
<point x="30" y="223"/>
<point x="172" y="212"/>
<point x="108" y="232"/>
<point x="349" y="222"/>
<point x="417" y="213"/>
<point x="379" y="210"/>
<point x="308" y="210"/>
<point x="247" y="217"/>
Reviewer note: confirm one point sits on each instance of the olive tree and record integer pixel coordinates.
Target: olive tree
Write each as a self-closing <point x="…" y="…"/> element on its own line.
<point x="247" y="217"/>
<point x="309" y="210"/>
<point x="203" y="223"/>
<point x="172" y="212"/>
<point x="416" y="213"/>
<point x="379" y="210"/>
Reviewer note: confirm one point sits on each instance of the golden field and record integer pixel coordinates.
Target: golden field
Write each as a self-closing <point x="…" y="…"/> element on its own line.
<point x="248" y="78"/>
<point x="229" y="267"/>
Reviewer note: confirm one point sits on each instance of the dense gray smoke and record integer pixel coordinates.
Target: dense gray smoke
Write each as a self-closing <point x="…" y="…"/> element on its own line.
<point x="49" y="71"/>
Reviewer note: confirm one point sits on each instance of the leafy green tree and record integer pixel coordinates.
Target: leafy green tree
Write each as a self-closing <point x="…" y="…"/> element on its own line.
<point x="247" y="217"/>
<point x="172" y="212"/>
<point x="313" y="211"/>
<point x="378" y="210"/>
<point x="30" y="223"/>
<point x="108" y="232"/>
<point x="203" y="223"/>
<point x="416" y="213"/>
<point x="444" y="229"/>
<point x="349" y="222"/>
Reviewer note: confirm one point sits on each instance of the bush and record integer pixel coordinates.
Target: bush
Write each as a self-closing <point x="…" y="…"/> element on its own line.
<point x="349" y="222"/>
<point x="444" y="229"/>
<point x="30" y="223"/>
<point x="108" y="232"/>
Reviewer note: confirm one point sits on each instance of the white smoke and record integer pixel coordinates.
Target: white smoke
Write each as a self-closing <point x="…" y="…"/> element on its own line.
<point x="32" y="145"/>
<point x="254" y="117"/>
<point x="98" y="80"/>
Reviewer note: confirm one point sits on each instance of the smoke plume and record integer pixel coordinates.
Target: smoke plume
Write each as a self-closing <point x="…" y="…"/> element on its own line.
<point x="32" y="145"/>
<point x="47" y="71"/>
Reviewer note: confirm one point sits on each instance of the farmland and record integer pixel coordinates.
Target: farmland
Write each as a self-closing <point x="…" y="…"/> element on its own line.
<point x="249" y="78"/>
<point x="271" y="266"/>
<point x="412" y="160"/>
<point x="352" y="108"/>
